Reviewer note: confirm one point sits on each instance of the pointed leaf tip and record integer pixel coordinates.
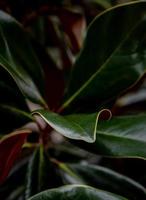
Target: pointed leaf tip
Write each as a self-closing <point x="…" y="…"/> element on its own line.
<point x="76" y="126"/>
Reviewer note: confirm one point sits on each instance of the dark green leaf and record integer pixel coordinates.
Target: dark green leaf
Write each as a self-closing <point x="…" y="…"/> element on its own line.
<point x="41" y="174"/>
<point x="105" y="179"/>
<point x="112" y="59"/>
<point x="68" y="152"/>
<point x="18" y="58"/>
<point x="120" y="137"/>
<point x="77" y="192"/>
<point x="16" y="193"/>
<point x="14" y="117"/>
<point x="78" y="127"/>
<point x="36" y="173"/>
<point x="13" y="107"/>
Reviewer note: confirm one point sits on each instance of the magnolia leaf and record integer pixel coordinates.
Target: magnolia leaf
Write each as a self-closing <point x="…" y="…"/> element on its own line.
<point x="13" y="107"/>
<point x="102" y="178"/>
<point x="77" y="126"/>
<point x="112" y="58"/>
<point x="18" y="59"/>
<point x="120" y="137"/>
<point x="79" y="192"/>
<point x="10" y="148"/>
<point x="40" y="174"/>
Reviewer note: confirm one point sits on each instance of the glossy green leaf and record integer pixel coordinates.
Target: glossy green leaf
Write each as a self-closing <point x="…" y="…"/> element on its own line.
<point x="105" y="179"/>
<point x="13" y="108"/>
<point x="79" y="192"/>
<point x="40" y="174"/>
<point x="18" y="58"/>
<point x="78" y="127"/>
<point x="120" y="137"/>
<point x="112" y="59"/>
<point x="36" y="173"/>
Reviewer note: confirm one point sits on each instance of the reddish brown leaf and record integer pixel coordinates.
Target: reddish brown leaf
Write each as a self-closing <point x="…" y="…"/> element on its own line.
<point x="10" y="148"/>
<point x="74" y="25"/>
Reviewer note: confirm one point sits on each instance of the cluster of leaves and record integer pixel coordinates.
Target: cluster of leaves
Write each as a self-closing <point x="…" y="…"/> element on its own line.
<point x="71" y="96"/>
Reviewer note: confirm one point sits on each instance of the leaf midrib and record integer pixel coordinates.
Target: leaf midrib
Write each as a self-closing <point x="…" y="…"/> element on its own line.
<point x="5" y="60"/>
<point x="66" y="103"/>
<point x="82" y="129"/>
<point x="13" y="71"/>
<point x="120" y="137"/>
<point x="18" y="77"/>
<point x="68" y="121"/>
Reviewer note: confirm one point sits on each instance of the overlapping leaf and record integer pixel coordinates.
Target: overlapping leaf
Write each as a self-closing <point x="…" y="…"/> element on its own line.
<point x="112" y="58"/>
<point x="40" y="174"/>
<point x="78" y="127"/>
<point x="13" y="107"/>
<point x="121" y="137"/>
<point x="103" y="178"/>
<point x="76" y="192"/>
<point x="19" y="60"/>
